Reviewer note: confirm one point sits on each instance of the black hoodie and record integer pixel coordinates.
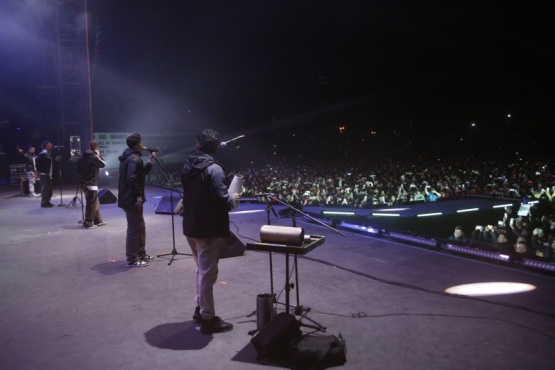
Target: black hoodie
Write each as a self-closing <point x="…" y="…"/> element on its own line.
<point x="88" y="166"/>
<point x="206" y="200"/>
<point x="132" y="174"/>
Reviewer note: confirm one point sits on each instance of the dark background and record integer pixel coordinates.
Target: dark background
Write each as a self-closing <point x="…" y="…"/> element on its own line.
<point x="418" y="67"/>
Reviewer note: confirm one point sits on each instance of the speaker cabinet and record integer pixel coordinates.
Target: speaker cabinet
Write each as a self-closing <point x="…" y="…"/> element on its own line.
<point x="165" y="205"/>
<point x="105" y="196"/>
<point x="231" y="247"/>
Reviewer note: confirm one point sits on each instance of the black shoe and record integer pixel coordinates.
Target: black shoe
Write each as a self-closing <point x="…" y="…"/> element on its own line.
<point x="214" y="325"/>
<point x="101" y="223"/>
<point x="197" y="317"/>
<point x="47" y="205"/>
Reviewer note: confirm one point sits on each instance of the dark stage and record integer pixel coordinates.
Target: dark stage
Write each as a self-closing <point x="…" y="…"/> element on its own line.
<point x="68" y="302"/>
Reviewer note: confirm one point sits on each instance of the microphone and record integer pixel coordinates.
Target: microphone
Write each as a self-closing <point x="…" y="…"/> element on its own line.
<point x="151" y="150"/>
<point x="224" y="143"/>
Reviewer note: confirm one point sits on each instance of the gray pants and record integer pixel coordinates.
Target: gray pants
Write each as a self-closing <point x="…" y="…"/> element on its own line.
<point x="206" y="252"/>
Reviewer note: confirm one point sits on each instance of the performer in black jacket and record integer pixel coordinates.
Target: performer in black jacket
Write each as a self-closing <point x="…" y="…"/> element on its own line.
<point x="87" y="166"/>
<point x="131" y="196"/>
<point x="44" y="168"/>
<point x="206" y="203"/>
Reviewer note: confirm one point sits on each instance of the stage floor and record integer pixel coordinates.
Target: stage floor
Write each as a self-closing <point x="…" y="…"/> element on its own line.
<point x="68" y="301"/>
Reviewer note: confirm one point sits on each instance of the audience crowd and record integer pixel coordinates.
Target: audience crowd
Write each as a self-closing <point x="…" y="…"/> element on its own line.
<point x="314" y="172"/>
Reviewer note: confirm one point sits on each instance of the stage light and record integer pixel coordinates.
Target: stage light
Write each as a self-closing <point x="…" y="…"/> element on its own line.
<point x="338" y="213"/>
<point x="491" y="288"/>
<point x="412" y="238"/>
<point x="361" y="228"/>
<point x="477" y="252"/>
<point x="386" y="214"/>
<point x="503" y="205"/>
<point x="548" y="266"/>
<point x="468" y="210"/>
<point x="429" y="214"/>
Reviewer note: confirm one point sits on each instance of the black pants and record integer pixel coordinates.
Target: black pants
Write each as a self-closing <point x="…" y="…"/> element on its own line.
<point x="136" y="234"/>
<point x="92" y="210"/>
<point x="46" y="192"/>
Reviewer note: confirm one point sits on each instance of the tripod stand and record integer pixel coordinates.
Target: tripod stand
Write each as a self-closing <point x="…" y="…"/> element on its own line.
<point x="174" y="252"/>
<point x="78" y="198"/>
<point x="298" y="310"/>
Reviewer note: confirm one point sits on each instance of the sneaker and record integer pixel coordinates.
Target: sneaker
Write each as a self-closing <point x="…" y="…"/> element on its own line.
<point x="197" y="317"/>
<point x="90" y="226"/>
<point x="36" y="195"/>
<point x="101" y="223"/>
<point x="136" y="264"/>
<point x="147" y="258"/>
<point x="214" y="325"/>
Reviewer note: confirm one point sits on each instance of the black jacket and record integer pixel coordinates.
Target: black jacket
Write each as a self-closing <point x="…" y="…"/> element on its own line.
<point x="88" y="166"/>
<point x="132" y="174"/>
<point x="43" y="162"/>
<point x="206" y="200"/>
<point x="30" y="162"/>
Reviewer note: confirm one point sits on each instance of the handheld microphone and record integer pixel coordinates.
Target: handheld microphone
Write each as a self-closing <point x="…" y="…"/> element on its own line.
<point x="150" y="150"/>
<point x="224" y="143"/>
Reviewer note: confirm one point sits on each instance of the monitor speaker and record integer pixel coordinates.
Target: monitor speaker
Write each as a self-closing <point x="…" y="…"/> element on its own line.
<point x="165" y="205"/>
<point x="231" y="247"/>
<point x="105" y="196"/>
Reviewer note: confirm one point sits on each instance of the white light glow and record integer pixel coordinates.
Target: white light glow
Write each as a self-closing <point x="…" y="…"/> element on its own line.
<point x="429" y="214"/>
<point x="493" y="288"/>
<point x="468" y="210"/>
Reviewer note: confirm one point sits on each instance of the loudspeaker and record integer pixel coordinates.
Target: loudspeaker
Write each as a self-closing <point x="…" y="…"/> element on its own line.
<point x="165" y="205"/>
<point x="272" y="341"/>
<point x="231" y="247"/>
<point x="105" y="196"/>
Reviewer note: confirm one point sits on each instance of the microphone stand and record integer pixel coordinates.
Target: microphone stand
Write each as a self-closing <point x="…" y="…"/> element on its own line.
<point x="174" y="251"/>
<point x="60" y="174"/>
<point x="268" y="201"/>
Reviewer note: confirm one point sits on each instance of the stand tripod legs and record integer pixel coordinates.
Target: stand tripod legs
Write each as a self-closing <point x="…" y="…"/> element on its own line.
<point x="173" y="253"/>
<point x="302" y="312"/>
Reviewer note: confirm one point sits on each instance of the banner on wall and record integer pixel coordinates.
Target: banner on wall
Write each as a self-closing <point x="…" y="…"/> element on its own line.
<point x="111" y="146"/>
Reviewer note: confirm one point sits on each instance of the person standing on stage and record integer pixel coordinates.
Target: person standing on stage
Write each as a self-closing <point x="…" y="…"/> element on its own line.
<point x="44" y="167"/>
<point x="87" y="166"/>
<point x="206" y="202"/>
<point x="131" y="188"/>
<point x="31" y="169"/>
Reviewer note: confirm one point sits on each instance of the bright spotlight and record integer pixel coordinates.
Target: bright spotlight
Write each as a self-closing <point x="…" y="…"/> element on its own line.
<point x="107" y="173"/>
<point x="493" y="288"/>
